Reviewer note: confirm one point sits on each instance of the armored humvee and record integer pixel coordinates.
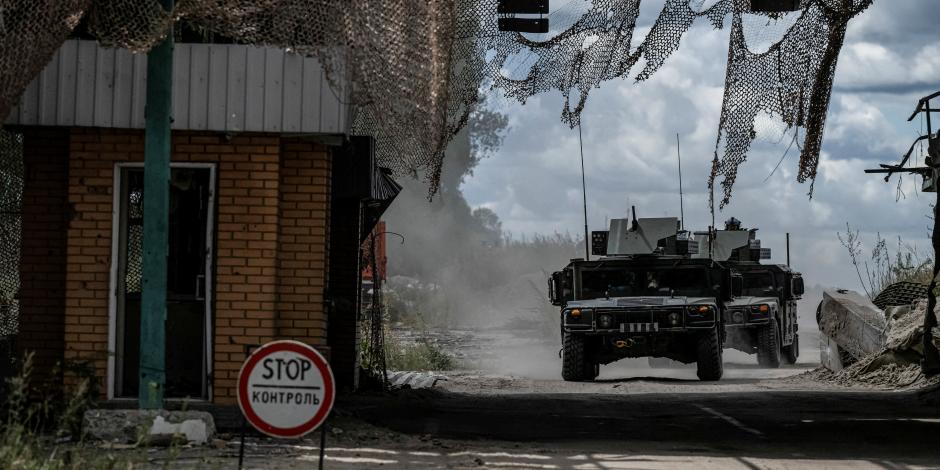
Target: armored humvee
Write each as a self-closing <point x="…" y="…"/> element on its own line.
<point x="763" y="319"/>
<point x="646" y="296"/>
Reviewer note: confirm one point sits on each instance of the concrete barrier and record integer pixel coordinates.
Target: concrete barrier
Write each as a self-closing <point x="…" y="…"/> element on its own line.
<point x="852" y="322"/>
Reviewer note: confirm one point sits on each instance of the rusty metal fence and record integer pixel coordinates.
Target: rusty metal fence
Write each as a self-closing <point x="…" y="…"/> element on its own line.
<point x="11" y="202"/>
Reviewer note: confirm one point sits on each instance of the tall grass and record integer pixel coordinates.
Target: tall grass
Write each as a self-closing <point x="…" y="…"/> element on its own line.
<point x="884" y="267"/>
<point x="40" y="427"/>
<point x="421" y="355"/>
<point x="28" y="419"/>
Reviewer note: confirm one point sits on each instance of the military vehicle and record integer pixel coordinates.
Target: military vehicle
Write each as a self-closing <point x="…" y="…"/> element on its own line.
<point x="645" y="296"/>
<point x="763" y="320"/>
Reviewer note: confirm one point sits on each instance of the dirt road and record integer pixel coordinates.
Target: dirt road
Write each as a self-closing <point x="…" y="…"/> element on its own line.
<point x="747" y="429"/>
<point x="635" y="416"/>
<point x="758" y="429"/>
<point x="516" y="413"/>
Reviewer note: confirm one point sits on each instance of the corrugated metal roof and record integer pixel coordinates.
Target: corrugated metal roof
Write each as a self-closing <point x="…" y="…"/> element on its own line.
<point x="384" y="188"/>
<point x="219" y="87"/>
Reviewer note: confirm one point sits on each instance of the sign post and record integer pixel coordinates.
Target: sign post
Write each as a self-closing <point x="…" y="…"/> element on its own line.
<point x="159" y="119"/>
<point x="286" y="390"/>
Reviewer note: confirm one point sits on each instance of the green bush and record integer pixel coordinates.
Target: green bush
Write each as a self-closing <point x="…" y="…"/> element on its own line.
<point x="422" y="356"/>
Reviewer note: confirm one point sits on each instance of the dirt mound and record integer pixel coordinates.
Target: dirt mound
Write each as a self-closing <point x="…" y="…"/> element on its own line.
<point x="877" y="371"/>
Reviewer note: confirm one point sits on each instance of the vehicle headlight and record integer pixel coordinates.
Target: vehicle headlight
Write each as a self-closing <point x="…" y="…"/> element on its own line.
<point x="700" y="310"/>
<point x="605" y="321"/>
<point x="762" y="309"/>
<point x="578" y="315"/>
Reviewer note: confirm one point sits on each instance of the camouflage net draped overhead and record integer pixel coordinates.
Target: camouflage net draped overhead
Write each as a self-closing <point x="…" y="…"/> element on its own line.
<point x="415" y="67"/>
<point x="791" y="82"/>
<point x="395" y="55"/>
<point x="788" y="81"/>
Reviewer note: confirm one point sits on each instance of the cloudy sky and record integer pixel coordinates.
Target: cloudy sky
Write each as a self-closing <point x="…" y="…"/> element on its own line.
<point x="891" y="58"/>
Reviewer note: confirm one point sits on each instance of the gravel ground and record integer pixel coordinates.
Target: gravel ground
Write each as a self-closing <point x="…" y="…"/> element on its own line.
<point x="527" y="361"/>
<point x="792" y="417"/>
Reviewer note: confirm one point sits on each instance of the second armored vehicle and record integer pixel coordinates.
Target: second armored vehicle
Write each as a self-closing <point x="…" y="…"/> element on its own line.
<point x="646" y="296"/>
<point x="763" y="320"/>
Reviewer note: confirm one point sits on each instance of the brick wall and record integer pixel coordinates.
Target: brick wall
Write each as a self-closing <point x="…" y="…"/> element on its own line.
<point x="246" y="247"/>
<point x="43" y="249"/>
<point x="264" y="204"/>
<point x="302" y="259"/>
<point x="381" y="256"/>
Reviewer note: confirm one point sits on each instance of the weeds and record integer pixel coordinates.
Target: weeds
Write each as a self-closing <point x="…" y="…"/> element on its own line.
<point x="22" y="445"/>
<point x="39" y="428"/>
<point x="885" y="268"/>
<point x="420" y="356"/>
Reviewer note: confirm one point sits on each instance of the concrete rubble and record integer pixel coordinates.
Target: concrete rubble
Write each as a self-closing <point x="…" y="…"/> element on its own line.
<point x="862" y="343"/>
<point x="155" y="427"/>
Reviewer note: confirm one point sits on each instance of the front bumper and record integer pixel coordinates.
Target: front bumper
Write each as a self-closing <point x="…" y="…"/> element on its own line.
<point x="644" y="320"/>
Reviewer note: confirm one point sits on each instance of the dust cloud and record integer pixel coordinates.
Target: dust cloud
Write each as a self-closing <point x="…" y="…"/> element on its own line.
<point x="462" y="282"/>
<point x="479" y="294"/>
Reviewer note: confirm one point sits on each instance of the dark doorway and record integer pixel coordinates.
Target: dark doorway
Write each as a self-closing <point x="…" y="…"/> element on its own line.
<point x="188" y="265"/>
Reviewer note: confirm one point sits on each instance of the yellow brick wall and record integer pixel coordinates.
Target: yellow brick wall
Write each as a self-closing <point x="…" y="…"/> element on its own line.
<point x="271" y="240"/>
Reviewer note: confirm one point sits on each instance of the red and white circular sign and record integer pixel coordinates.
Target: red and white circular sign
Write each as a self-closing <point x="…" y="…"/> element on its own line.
<point x="285" y="389"/>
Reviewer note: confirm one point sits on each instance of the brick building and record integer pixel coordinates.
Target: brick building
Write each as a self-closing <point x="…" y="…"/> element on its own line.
<point x="270" y="201"/>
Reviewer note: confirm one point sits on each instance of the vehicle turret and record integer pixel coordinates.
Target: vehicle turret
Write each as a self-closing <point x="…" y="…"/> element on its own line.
<point x="646" y="236"/>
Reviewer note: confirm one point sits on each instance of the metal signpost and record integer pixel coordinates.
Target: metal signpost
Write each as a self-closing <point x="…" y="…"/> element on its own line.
<point x="286" y="390"/>
<point x="158" y="115"/>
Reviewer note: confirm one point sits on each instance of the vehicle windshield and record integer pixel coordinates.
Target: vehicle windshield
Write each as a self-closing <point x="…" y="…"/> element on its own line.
<point x="758" y="283"/>
<point x="643" y="281"/>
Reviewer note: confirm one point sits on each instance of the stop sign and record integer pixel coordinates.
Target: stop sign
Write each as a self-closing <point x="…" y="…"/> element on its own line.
<point x="285" y="389"/>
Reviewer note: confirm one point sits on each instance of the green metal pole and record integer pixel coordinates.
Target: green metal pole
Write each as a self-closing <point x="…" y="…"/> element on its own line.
<point x="158" y="115"/>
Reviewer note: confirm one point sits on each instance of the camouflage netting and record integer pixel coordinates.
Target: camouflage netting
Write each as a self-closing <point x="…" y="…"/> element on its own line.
<point x="11" y="199"/>
<point x="791" y="82"/>
<point x="394" y="54"/>
<point x="415" y="68"/>
<point x="787" y="81"/>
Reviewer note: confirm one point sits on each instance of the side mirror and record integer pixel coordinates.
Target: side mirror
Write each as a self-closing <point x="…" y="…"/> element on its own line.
<point x="797" y="286"/>
<point x="554" y="288"/>
<point x="737" y="285"/>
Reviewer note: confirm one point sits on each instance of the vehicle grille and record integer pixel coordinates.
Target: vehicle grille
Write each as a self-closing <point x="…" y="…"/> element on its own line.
<point x="653" y="315"/>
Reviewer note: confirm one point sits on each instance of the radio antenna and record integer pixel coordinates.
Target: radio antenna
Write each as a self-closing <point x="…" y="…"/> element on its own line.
<point x="587" y="250"/>
<point x="681" y="208"/>
<point x="711" y="206"/>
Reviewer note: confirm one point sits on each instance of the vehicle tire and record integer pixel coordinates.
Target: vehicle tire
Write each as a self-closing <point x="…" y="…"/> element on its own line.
<point x="792" y="352"/>
<point x="708" y="356"/>
<point x="768" y="346"/>
<point x="592" y="371"/>
<point x="574" y="364"/>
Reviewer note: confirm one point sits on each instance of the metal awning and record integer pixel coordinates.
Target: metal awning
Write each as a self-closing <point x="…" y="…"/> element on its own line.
<point x="384" y="191"/>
